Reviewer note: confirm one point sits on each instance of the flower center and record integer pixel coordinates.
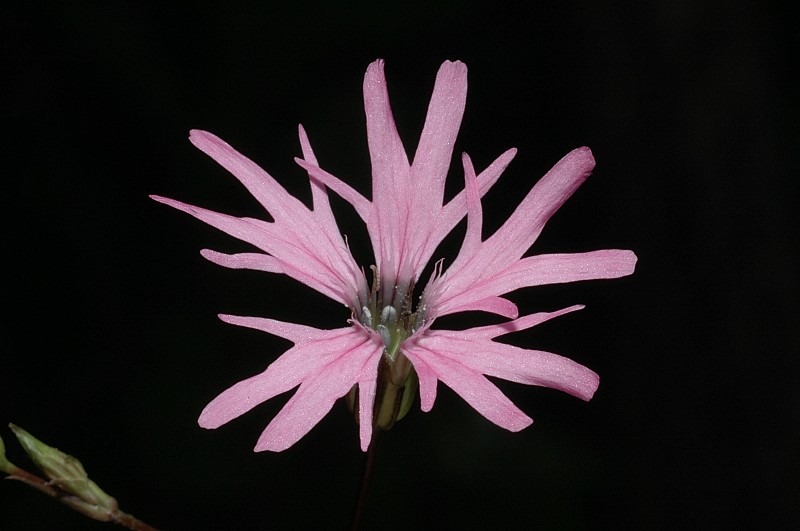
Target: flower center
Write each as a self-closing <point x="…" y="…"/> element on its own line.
<point x="394" y="320"/>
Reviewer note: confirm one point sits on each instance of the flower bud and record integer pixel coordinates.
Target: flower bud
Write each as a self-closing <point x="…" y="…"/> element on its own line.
<point x="5" y="465"/>
<point x="64" y="471"/>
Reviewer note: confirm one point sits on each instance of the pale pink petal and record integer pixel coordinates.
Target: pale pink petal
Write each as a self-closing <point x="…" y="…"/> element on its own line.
<point x="367" y="385"/>
<point x="362" y="206"/>
<point x="327" y="222"/>
<point x="294" y="332"/>
<point x="435" y="148"/>
<point x="530" y="367"/>
<point x="496" y="305"/>
<point x="473" y="237"/>
<point x="257" y="261"/>
<point x="319" y="194"/>
<point x="389" y="162"/>
<point x="517" y="234"/>
<point x="293" y="367"/>
<point x="315" y="397"/>
<point x="475" y="389"/>
<point x="272" y="196"/>
<point x="325" y="269"/>
<point x="560" y="268"/>
<point x="508" y="327"/>
<point x="541" y="270"/>
<point x="525" y="224"/>
<point x="456" y="209"/>
<point x="392" y="193"/>
<point x="427" y="378"/>
<point x="236" y="227"/>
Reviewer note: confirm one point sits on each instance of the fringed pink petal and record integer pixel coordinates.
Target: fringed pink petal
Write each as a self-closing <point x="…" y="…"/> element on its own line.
<point x="477" y="391"/>
<point x="292" y="368"/>
<point x="312" y="401"/>
<point x="296" y="333"/>
<point x="272" y="196"/>
<point x="236" y="227"/>
<point x="515" y="236"/>
<point x="392" y="193"/>
<point x="389" y="162"/>
<point x="496" y="305"/>
<point x="525" y="224"/>
<point x="309" y="257"/>
<point x="530" y="367"/>
<point x="319" y="193"/>
<point x="561" y="268"/>
<point x="508" y="327"/>
<point x="315" y="397"/>
<point x="256" y="261"/>
<point x="427" y="378"/>
<point x="435" y="148"/>
<point x="456" y="209"/>
<point x="472" y="238"/>
<point x="362" y="206"/>
<point x="537" y="271"/>
<point x="367" y="385"/>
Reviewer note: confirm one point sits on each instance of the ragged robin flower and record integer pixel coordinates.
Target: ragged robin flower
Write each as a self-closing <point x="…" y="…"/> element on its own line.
<point x="389" y="345"/>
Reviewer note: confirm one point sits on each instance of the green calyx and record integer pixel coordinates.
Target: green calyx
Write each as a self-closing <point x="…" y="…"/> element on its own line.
<point x="66" y="473"/>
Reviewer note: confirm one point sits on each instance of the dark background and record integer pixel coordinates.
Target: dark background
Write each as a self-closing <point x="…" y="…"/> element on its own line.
<point x="112" y="347"/>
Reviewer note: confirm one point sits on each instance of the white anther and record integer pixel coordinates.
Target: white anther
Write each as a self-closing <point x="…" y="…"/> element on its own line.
<point x="389" y="316"/>
<point x="385" y="335"/>
<point x="366" y="317"/>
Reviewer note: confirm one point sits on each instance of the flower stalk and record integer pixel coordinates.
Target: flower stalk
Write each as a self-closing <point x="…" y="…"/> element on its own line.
<point x="68" y="482"/>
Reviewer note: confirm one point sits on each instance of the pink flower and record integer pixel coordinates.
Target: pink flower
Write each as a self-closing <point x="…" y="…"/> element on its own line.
<point x="388" y="342"/>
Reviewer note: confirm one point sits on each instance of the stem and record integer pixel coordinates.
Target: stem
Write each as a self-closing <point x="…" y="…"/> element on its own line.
<point x="362" y="497"/>
<point x="45" y="487"/>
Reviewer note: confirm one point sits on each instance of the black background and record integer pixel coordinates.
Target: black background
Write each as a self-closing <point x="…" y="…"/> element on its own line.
<point x="112" y="347"/>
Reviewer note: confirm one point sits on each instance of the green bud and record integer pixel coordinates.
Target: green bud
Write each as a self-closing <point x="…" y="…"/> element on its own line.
<point x="64" y="471"/>
<point x="5" y="465"/>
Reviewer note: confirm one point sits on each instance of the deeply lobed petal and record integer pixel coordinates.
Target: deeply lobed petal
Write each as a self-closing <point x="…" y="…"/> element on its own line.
<point x="316" y="396"/>
<point x="530" y="367"/>
<point x="541" y="270"/>
<point x="325" y="363"/>
<point x="435" y="148"/>
<point x="494" y="267"/>
<point x="456" y="209"/>
<point x="472" y="386"/>
<point x="461" y="358"/>
<point x="304" y="244"/>
<point x="342" y="282"/>
<point x="257" y="261"/>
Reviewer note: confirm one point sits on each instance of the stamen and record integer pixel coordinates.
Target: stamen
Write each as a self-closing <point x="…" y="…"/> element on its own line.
<point x="385" y="335"/>
<point x="366" y="317"/>
<point x="389" y="316"/>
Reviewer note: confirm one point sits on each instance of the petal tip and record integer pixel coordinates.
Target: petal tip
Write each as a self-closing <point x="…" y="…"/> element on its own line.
<point x="581" y="156"/>
<point x="263" y="447"/>
<point x="455" y="66"/>
<point x="271" y="444"/>
<point x="375" y="68"/>
<point x="208" y="420"/>
<point x="633" y="259"/>
<point x="199" y="134"/>
<point x="521" y="424"/>
<point x="589" y="386"/>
